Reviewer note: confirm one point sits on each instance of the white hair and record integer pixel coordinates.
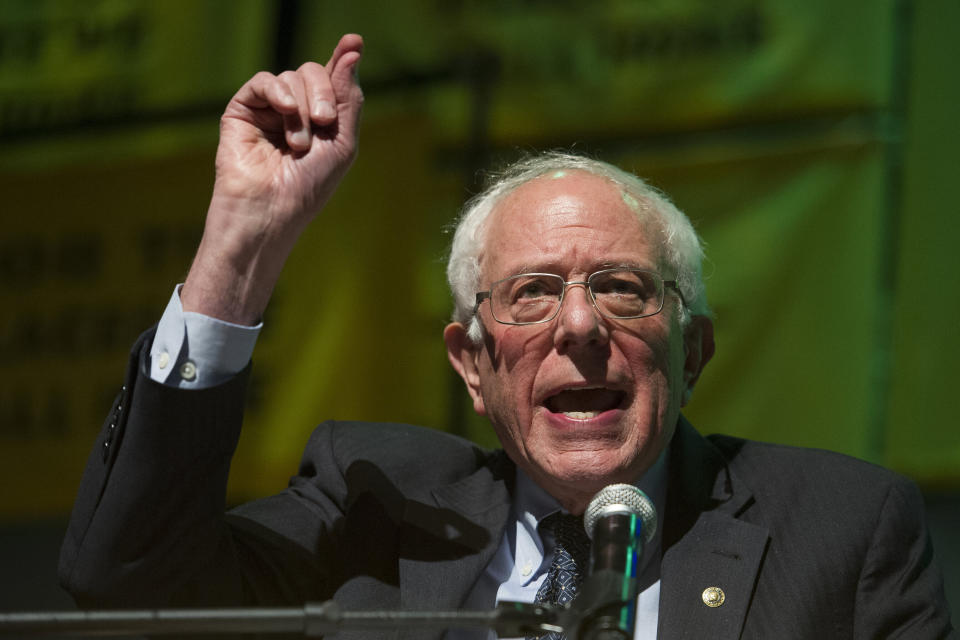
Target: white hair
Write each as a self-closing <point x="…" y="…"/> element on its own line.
<point x="681" y="247"/>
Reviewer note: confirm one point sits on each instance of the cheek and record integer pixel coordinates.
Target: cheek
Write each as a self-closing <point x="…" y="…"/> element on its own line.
<point x="512" y="358"/>
<point x="500" y="390"/>
<point x="648" y="354"/>
<point x="656" y="366"/>
<point x="517" y="349"/>
<point x="508" y="370"/>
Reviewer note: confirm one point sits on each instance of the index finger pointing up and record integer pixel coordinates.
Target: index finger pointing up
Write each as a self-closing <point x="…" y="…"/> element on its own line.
<point x="350" y="42"/>
<point x="341" y="68"/>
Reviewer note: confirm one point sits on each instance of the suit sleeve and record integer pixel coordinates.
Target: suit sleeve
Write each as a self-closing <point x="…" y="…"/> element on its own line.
<point x="900" y="590"/>
<point x="148" y="526"/>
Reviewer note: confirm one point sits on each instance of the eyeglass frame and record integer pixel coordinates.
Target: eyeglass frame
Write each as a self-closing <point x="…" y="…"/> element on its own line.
<point x="672" y="284"/>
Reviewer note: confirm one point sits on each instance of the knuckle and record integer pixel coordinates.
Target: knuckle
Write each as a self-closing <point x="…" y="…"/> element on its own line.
<point x="310" y="67"/>
<point x="262" y="77"/>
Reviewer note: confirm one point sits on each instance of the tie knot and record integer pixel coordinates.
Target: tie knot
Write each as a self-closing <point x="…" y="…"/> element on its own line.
<point x="568" y="532"/>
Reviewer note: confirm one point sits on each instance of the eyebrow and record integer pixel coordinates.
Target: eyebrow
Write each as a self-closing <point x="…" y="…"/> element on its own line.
<point x="622" y="265"/>
<point x="552" y="267"/>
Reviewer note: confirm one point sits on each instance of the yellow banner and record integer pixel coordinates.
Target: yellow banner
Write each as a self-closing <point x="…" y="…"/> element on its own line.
<point x="763" y="119"/>
<point x="72" y="73"/>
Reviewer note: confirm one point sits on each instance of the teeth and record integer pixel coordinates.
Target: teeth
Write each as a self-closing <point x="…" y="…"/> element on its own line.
<point x="581" y="415"/>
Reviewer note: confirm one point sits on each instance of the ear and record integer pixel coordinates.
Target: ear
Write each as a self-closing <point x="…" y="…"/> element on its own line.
<point x="463" y="355"/>
<point x="699" y="347"/>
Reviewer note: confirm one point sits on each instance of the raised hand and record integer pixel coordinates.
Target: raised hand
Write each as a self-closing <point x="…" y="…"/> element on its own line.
<point x="285" y="143"/>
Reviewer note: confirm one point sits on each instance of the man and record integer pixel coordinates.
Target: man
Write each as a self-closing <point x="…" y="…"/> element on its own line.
<point x="580" y="330"/>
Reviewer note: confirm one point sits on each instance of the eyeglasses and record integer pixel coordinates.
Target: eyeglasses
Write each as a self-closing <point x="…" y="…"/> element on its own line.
<point x="531" y="298"/>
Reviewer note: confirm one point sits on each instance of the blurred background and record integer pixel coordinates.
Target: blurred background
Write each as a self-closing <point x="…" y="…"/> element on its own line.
<point x="813" y="145"/>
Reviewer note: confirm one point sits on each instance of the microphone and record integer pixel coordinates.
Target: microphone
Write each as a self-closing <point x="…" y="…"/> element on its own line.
<point x="619" y="520"/>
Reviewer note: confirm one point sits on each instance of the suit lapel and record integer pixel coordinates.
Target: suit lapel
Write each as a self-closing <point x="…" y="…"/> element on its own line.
<point x="476" y="509"/>
<point x="706" y="548"/>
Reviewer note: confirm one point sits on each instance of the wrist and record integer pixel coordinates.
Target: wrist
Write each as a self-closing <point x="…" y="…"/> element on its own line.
<point x="237" y="264"/>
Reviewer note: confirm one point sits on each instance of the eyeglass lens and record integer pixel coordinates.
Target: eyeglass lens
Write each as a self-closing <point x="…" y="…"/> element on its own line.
<point x="528" y="298"/>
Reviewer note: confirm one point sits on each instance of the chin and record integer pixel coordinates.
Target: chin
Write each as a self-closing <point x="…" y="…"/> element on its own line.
<point x="590" y="471"/>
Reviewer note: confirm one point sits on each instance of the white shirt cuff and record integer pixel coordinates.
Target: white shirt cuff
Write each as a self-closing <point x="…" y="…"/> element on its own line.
<point x="195" y="351"/>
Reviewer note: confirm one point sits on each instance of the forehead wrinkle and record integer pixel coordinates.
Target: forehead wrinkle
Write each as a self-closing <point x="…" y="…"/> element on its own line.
<point x="569" y="258"/>
<point x="536" y="247"/>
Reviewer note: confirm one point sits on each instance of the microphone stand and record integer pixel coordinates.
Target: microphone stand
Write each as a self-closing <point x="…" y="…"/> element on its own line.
<point x="587" y="617"/>
<point x="602" y="610"/>
<point x="313" y="619"/>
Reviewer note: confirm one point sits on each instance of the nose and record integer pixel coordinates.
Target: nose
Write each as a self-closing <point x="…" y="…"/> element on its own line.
<point x="579" y="322"/>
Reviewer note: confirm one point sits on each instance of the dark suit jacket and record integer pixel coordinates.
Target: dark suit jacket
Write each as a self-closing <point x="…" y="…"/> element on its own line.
<point x="804" y="544"/>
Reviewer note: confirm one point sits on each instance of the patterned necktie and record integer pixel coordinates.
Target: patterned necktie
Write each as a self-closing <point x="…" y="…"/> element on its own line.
<point x="571" y="553"/>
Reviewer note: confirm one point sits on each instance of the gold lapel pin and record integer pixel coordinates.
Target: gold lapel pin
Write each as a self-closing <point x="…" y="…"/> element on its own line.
<point x="713" y="596"/>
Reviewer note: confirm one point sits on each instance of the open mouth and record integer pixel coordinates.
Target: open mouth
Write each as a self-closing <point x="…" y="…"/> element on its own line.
<point x="584" y="403"/>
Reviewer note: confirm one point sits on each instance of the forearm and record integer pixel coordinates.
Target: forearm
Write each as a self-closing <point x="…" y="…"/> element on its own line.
<point x="237" y="264"/>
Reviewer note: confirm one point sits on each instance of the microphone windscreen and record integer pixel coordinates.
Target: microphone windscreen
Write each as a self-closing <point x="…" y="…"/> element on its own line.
<point x="621" y="498"/>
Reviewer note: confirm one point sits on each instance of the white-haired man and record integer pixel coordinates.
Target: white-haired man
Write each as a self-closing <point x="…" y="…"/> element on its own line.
<point x="580" y="330"/>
